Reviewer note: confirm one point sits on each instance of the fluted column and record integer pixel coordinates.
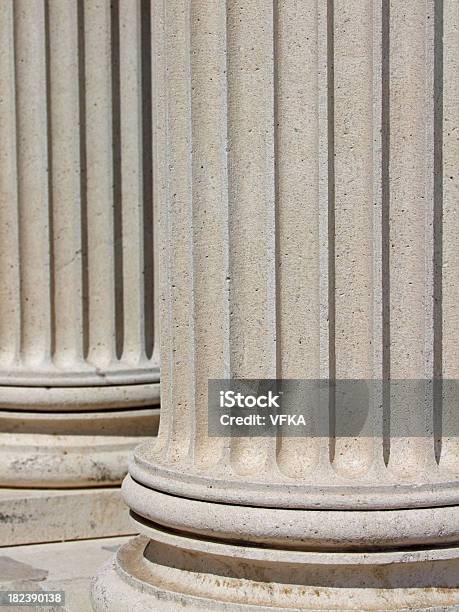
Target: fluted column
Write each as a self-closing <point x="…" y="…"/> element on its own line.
<point x="308" y="220"/>
<point x="79" y="367"/>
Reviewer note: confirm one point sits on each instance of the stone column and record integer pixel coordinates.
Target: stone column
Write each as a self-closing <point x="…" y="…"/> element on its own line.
<point x="79" y="368"/>
<point x="307" y="168"/>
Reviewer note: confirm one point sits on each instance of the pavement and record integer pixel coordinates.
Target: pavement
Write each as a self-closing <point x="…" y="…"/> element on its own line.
<point x="59" y="566"/>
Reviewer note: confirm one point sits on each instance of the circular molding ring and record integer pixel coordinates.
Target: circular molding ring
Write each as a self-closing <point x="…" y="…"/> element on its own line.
<point x="344" y="530"/>
<point x="62" y="399"/>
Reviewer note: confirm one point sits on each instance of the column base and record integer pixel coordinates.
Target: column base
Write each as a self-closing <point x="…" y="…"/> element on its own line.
<point x="52" y="450"/>
<point x="33" y="516"/>
<point x="169" y="570"/>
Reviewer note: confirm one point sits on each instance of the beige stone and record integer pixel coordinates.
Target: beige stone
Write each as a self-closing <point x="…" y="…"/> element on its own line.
<point x="29" y="516"/>
<point x="214" y="576"/>
<point x="305" y="156"/>
<point x="79" y="364"/>
<point x="44" y="450"/>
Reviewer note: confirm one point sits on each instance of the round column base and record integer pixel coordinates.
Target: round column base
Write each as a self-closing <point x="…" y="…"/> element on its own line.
<point x="51" y="450"/>
<point x="169" y="570"/>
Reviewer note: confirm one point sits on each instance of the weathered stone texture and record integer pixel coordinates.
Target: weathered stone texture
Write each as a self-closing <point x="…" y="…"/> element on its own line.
<point x="29" y="516"/>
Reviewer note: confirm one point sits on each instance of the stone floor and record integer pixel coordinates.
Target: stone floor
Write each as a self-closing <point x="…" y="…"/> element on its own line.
<point x="61" y="566"/>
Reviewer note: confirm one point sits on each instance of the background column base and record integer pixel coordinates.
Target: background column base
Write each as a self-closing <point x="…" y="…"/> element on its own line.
<point x="62" y="450"/>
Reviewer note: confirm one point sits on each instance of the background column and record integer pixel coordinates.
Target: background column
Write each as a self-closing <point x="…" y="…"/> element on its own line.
<point x="79" y="366"/>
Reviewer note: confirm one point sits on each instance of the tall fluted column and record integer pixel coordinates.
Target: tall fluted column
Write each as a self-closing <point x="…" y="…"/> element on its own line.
<point x="307" y="157"/>
<point x="79" y="367"/>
